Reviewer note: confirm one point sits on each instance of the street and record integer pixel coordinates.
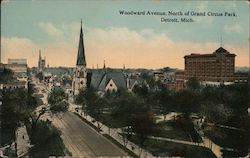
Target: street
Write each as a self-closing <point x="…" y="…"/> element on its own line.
<point x="80" y="139"/>
<point x="83" y="140"/>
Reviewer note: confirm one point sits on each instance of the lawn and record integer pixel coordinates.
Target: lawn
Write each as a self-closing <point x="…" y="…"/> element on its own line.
<point x="168" y="149"/>
<point x="168" y="130"/>
<point x="106" y="119"/>
<point x="171" y="129"/>
<point x="228" y="138"/>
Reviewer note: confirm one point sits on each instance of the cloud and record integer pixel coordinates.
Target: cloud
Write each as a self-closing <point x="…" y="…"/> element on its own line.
<point x="50" y="29"/>
<point x="145" y="48"/>
<point x="116" y="45"/>
<point x="229" y="29"/>
<point x="18" y="48"/>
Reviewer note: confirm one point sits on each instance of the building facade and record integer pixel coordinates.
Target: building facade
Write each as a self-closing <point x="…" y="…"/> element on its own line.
<point x="41" y="62"/>
<point x="215" y="68"/>
<point x="80" y="74"/>
<point x="20" y="70"/>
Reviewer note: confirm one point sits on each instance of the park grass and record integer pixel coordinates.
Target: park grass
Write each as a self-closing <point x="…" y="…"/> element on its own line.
<point x="107" y="119"/>
<point x="170" y="149"/>
<point x="168" y="130"/>
<point x="228" y="138"/>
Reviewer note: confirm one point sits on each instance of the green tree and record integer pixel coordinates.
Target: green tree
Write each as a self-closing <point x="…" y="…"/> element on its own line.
<point x="125" y="105"/>
<point x="47" y="141"/>
<point x="186" y="101"/>
<point x="215" y="113"/>
<point x="141" y="90"/>
<point x="164" y="99"/>
<point x="92" y="103"/>
<point x="14" y="112"/>
<point x="6" y="76"/>
<point x="193" y="84"/>
<point x="58" y="101"/>
<point x="142" y="125"/>
<point x="39" y="76"/>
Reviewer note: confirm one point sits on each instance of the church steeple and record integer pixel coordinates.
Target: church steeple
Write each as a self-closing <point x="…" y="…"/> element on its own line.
<point x="40" y="56"/>
<point x="80" y="76"/>
<point x="81" y="53"/>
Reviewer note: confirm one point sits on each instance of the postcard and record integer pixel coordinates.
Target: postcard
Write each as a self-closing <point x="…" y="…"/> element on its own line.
<point x="89" y="78"/>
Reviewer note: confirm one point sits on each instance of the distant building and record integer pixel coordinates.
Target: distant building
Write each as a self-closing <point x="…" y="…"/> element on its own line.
<point x="17" y="65"/>
<point x="178" y="84"/>
<point x="15" y="85"/>
<point x="107" y="80"/>
<point x="216" y="68"/>
<point x="17" y="61"/>
<point x="20" y="68"/>
<point x="164" y="77"/>
<point x="241" y="77"/>
<point x="41" y="63"/>
<point x="58" y="77"/>
<point x="179" y="80"/>
<point x="80" y="75"/>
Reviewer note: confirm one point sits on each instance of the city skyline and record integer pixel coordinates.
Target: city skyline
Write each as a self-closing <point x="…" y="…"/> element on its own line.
<point x="136" y="41"/>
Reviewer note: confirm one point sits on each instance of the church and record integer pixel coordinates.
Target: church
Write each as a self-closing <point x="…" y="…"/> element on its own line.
<point x="102" y="80"/>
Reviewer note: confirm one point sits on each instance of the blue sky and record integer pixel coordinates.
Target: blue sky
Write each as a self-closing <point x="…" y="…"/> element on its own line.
<point x="136" y="41"/>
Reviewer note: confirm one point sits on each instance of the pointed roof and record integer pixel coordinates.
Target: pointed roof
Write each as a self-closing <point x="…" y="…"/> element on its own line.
<point x="81" y="53"/>
<point x="100" y="80"/>
<point x="221" y="50"/>
<point x="40" y="56"/>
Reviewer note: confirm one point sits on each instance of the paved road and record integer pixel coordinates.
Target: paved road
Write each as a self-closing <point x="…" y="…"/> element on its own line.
<point x="79" y="138"/>
<point x="84" y="141"/>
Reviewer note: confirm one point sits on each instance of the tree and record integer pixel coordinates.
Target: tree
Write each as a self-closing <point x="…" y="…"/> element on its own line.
<point x="91" y="103"/>
<point x="141" y="90"/>
<point x="216" y="113"/>
<point x="6" y="76"/>
<point x="57" y="100"/>
<point x="125" y="105"/>
<point x="186" y="101"/>
<point x="164" y="99"/>
<point x="40" y="76"/>
<point x="14" y="112"/>
<point x="193" y="84"/>
<point x="149" y="79"/>
<point x="47" y="141"/>
<point x="142" y="125"/>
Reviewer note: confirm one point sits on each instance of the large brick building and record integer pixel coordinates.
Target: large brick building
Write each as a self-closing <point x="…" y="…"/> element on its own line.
<point x="215" y="68"/>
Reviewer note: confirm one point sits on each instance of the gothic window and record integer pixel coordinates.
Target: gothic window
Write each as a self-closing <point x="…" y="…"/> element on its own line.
<point x="81" y="82"/>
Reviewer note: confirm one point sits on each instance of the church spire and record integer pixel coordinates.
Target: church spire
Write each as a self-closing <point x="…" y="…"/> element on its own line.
<point x="104" y="65"/>
<point x="40" y="56"/>
<point x="81" y="53"/>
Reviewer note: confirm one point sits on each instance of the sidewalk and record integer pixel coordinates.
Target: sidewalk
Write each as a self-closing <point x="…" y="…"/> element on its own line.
<point x="114" y="133"/>
<point x="167" y="117"/>
<point x="23" y="141"/>
<point x="216" y="149"/>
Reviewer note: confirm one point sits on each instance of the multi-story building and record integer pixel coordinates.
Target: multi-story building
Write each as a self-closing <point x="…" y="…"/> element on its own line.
<point x="19" y="68"/>
<point x="41" y="62"/>
<point x="216" y="68"/>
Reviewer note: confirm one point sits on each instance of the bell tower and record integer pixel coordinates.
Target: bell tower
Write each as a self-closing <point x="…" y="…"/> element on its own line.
<point x="80" y="74"/>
